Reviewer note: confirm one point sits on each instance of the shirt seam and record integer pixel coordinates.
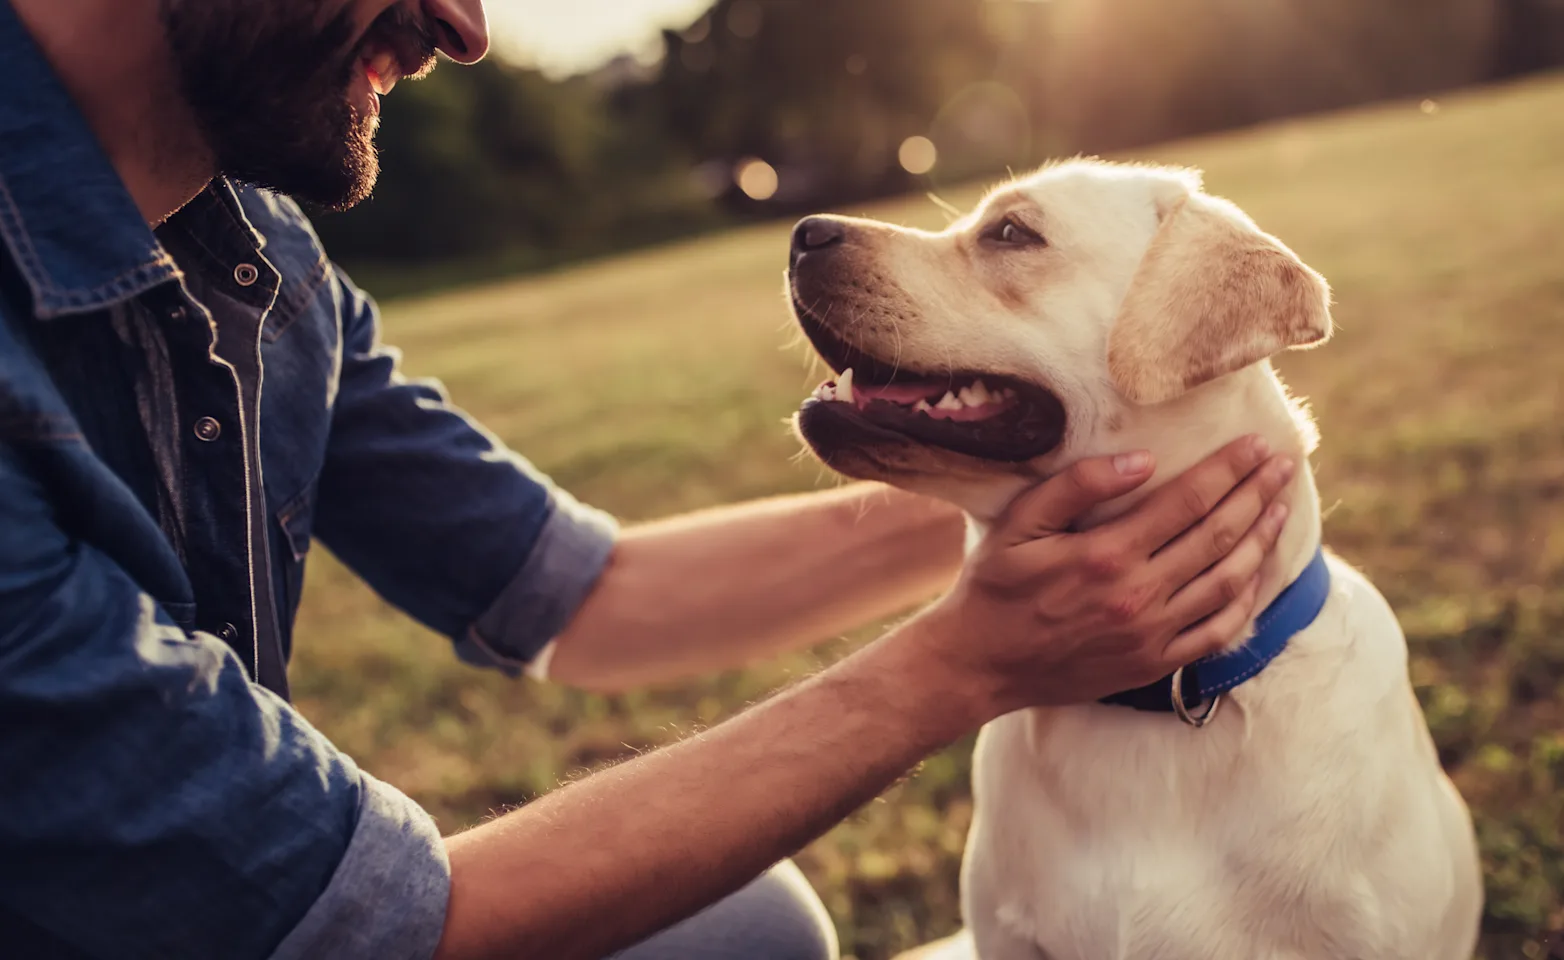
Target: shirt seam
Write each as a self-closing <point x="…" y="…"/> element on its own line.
<point x="53" y="299"/>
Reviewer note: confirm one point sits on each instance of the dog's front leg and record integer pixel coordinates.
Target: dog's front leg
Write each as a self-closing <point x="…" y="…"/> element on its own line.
<point x="985" y="909"/>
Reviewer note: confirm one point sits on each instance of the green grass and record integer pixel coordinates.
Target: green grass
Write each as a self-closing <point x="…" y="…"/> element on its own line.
<point x="658" y="382"/>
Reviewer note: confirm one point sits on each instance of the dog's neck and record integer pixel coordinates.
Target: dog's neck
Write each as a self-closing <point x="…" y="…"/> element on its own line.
<point x="1184" y="431"/>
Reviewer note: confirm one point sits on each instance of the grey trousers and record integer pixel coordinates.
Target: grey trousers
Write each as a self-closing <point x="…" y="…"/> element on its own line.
<point x="778" y="917"/>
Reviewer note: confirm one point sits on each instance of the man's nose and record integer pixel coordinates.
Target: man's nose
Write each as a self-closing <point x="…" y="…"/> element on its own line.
<point x="462" y="26"/>
<point x="817" y="233"/>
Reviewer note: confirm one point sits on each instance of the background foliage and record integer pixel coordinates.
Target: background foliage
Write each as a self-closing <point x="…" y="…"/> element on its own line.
<point x="499" y="169"/>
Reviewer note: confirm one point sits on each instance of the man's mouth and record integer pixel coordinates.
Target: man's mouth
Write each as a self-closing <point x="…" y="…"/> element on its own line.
<point x="399" y="45"/>
<point x="984" y="415"/>
<point x="383" y="71"/>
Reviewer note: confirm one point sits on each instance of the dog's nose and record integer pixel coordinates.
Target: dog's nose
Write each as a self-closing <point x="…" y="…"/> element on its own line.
<point x="817" y="233"/>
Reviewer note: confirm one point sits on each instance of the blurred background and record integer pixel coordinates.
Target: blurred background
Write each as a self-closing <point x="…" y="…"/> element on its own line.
<point x="584" y="237"/>
<point x="610" y="124"/>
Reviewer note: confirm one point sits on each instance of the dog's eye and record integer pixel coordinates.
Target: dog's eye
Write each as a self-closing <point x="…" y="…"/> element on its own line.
<point x="1013" y="233"/>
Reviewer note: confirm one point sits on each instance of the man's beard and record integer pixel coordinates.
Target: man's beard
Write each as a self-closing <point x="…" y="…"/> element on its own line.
<point x="269" y="87"/>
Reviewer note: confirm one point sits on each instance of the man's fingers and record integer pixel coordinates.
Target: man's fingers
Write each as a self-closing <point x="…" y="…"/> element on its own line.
<point x="1210" y="540"/>
<point x="1183" y="502"/>
<point x="1224" y="583"/>
<point x="1214" y="634"/>
<point x="1058" y="502"/>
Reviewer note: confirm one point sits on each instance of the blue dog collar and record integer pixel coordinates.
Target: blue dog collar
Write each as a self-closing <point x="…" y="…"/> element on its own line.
<point x="1205" y="680"/>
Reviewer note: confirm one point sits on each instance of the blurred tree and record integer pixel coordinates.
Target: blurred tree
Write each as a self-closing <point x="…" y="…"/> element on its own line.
<point x="494" y="159"/>
<point x="1531" y="37"/>
<point x="1136" y="71"/>
<point x="825" y="92"/>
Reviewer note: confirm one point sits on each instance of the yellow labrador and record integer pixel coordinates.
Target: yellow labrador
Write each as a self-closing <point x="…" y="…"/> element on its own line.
<point x="1091" y="309"/>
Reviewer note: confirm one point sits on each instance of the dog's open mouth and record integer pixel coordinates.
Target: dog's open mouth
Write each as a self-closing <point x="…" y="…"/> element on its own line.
<point x="977" y="414"/>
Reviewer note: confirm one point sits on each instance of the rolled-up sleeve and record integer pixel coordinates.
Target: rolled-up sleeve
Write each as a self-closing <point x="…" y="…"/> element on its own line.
<point x="444" y="521"/>
<point x="155" y="803"/>
<point x="389" y="893"/>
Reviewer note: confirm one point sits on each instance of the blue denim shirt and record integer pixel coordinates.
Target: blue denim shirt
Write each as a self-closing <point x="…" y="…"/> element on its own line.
<point x="181" y="413"/>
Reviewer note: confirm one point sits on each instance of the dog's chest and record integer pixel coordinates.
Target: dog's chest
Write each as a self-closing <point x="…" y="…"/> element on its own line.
<point x="1123" y="862"/>
<point x="1106" y="833"/>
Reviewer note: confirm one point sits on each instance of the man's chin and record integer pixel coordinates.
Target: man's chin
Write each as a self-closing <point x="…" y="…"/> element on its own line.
<point x="341" y="183"/>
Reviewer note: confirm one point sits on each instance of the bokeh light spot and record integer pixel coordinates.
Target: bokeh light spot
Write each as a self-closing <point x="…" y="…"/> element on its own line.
<point x="757" y="178"/>
<point x="698" y="31"/>
<point x="745" y="18"/>
<point x="918" y="155"/>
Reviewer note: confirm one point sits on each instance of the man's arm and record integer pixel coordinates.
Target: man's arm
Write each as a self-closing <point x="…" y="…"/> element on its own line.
<point x="154" y="802"/>
<point x="723" y="587"/>
<point x="467" y="537"/>
<point x="1035" y="620"/>
<point x="601" y="864"/>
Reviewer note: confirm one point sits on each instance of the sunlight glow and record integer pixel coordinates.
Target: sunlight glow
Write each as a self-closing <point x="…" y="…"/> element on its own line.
<point x="918" y="155"/>
<point x="563" y="38"/>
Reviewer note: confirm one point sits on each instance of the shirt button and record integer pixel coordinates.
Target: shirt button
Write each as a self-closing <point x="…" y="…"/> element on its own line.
<point x="207" y="429"/>
<point x="245" y="274"/>
<point x="229" y="633"/>
<point x="178" y="314"/>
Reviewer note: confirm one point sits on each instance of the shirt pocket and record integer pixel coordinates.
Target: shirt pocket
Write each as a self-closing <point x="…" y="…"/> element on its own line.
<point x="295" y="522"/>
<point x="304" y="291"/>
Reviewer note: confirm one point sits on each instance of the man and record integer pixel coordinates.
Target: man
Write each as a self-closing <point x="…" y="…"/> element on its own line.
<point x="190" y="392"/>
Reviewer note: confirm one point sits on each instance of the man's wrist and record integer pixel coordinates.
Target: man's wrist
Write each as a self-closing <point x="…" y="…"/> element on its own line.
<point x="944" y="700"/>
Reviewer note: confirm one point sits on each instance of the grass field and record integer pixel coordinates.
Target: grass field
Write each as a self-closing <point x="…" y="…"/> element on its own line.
<point x="659" y="382"/>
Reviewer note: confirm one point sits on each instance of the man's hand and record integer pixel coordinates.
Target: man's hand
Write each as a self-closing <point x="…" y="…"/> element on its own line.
<point x="1043" y="617"/>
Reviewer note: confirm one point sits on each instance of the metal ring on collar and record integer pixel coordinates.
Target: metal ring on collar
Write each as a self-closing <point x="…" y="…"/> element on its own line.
<point x="1177" y="684"/>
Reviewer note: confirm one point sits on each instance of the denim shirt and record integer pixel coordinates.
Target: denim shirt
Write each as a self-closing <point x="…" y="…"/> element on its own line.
<point x="182" y="411"/>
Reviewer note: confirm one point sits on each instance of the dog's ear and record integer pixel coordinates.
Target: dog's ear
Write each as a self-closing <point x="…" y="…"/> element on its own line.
<point x="1214" y="294"/>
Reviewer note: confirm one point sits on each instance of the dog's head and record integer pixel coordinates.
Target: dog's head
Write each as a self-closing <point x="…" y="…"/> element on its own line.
<point x="1063" y="311"/>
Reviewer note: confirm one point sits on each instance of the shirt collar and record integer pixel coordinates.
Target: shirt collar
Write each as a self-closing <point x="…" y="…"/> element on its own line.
<point x="66" y="218"/>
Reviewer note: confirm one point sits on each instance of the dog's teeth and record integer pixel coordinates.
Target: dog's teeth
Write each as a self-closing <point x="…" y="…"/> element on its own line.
<point x="970" y="397"/>
<point x="980" y="395"/>
<point x="922" y="406"/>
<point x="949" y="402"/>
<point x="844" y="386"/>
<point x="826" y="391"/>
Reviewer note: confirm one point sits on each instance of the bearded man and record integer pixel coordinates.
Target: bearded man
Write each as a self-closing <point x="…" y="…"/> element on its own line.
<point x="191" y="392"/>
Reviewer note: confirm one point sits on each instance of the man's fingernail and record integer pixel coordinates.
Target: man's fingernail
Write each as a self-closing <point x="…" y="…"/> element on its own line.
<point x="1286" y="468"/>
<point x="1132" y="464"/>
<point x="1277" y="515"/>
<point x="1258" y="448"/>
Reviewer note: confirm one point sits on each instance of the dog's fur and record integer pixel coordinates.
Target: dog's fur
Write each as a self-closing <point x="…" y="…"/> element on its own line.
<point x="1310" y="819"/>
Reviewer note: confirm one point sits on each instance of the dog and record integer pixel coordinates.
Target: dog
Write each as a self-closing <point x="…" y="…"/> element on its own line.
<point x="1089" y="309"/>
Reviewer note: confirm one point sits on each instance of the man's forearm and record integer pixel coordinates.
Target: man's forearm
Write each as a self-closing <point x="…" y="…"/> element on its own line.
<point x="726" y="586"/>
<point x="610" y="860"/>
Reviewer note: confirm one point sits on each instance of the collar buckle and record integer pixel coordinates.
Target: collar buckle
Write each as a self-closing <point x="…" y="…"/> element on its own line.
<point x="1176" y="692"/>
